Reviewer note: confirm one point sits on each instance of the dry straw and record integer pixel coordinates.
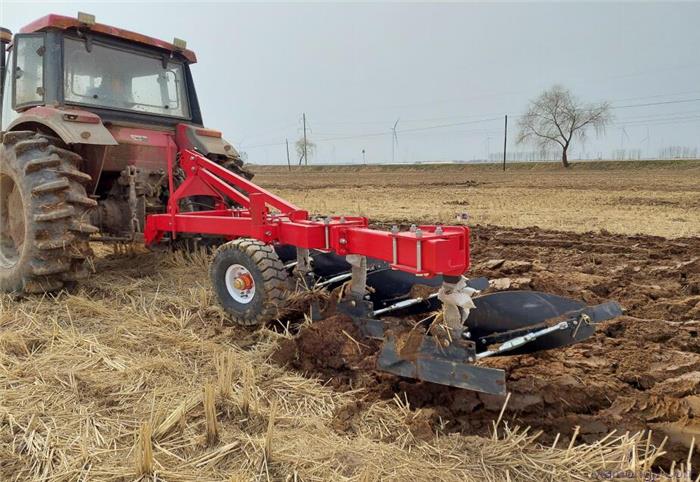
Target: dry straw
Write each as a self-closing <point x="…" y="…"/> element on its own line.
<point x="144" y="451"/>
<point x="209" y="402"/>
<point x="224" y="372"/>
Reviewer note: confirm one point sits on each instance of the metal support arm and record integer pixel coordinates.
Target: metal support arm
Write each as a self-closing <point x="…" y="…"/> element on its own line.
<point x="426" y="251"/>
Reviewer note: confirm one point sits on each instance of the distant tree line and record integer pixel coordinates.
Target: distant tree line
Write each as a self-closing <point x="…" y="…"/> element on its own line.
<point x="678" y="152"/>
<point x="665" y="153"/>
<point x="627" y="154"/>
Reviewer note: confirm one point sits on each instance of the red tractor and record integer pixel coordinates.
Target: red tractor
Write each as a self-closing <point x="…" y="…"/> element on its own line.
<point x="90" y="115"/>
<point x="103" y="140"/>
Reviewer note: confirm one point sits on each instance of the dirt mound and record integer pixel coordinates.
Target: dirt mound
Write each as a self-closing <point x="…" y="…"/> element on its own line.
<point x="332" y="349"/>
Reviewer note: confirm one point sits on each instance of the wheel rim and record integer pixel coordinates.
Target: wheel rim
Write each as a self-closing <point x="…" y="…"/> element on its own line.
<point x="12" y="227"/>
<point x="240" y="283"/>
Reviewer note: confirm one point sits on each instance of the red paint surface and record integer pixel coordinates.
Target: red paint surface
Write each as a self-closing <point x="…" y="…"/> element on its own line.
<point x="144" y="148"/>
<point x="446" y="252"/>
<point x="64" y="23"/>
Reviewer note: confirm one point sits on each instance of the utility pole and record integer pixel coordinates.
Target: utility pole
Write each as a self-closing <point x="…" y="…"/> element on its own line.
<point x="306" y="156"/>
<point x="289" y="164"/>
<point x="505" y="143"/>
<point x="364" y="160"/>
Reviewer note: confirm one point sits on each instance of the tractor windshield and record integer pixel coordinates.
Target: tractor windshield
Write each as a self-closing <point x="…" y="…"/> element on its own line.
<point x="105" y="76"/>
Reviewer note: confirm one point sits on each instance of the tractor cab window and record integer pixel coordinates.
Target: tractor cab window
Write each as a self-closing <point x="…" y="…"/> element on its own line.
<point x="8" y="114"/>
<point x="117" y="79"/>
<point x="28" y="70"/>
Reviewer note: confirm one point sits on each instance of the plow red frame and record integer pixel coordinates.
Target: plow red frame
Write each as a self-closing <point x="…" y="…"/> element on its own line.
<point x="429" y="250"/>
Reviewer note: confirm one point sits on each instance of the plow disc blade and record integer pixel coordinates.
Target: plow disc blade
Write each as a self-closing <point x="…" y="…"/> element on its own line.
<point x="502" y="315"/>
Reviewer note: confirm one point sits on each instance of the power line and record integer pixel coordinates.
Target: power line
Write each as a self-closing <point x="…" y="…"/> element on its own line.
<point x="491" y="119"/>
<point x="413" y="129"/>
<point x="661" y="114"/>
<point x="385" y="133"/>
<point x="681" y="101"/>
<point x="359" y="136"/>
<point x="656" y="96"/>
<point x="671" y="121"/>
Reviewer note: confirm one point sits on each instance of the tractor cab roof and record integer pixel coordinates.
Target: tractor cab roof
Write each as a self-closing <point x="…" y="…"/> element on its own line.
<point x="65" y="23"/>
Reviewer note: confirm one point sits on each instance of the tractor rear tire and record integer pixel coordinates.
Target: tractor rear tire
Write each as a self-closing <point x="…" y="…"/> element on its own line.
<point x="44" y="214"/>
<point x="250" y="281"/>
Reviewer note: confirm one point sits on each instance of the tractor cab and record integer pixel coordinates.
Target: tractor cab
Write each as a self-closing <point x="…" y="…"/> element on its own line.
<point x="119" y="75"/>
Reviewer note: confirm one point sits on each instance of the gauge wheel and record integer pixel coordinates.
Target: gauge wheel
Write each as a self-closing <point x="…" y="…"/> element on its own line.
<point x="250" y="281"/>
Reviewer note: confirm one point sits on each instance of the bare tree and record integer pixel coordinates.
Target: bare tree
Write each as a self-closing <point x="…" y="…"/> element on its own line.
<point x="301" y="151"/>
<point x="557" y="117"/>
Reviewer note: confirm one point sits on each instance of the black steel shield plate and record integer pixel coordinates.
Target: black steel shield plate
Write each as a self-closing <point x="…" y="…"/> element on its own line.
<point x="445" y="366"/>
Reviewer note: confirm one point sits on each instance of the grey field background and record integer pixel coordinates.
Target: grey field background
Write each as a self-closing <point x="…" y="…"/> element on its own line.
<point x="449" y="72"/>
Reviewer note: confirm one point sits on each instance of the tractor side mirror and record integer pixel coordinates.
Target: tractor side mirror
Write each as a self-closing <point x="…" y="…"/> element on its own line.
<point x="5" y="36"/>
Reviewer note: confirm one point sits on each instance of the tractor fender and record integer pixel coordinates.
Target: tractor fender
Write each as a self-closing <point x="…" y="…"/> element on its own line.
<point x="206" y="141"/>
<point x="73" y="126"/>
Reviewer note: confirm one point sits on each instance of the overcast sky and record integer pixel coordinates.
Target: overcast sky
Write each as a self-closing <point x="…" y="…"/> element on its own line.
<point x="448" y="72"/>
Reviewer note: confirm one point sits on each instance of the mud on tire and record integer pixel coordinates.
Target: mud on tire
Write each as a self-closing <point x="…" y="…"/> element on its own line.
<point x="249" y="257"/>
<point x="44" y="214"/>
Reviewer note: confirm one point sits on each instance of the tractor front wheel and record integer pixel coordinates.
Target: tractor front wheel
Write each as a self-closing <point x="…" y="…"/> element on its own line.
<point x="250" y="281"/>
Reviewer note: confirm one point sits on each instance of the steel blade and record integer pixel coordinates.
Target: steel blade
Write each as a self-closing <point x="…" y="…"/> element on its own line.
<point x="445" y="367"/>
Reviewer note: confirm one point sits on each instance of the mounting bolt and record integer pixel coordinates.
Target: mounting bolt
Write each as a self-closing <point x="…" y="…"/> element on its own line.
<point x="342" y="219"/>
<point x="412" y="228"/>
<point x="327" y="220"/>
<point x="394" y="229"/>
<point x="268" y="233"/>
<point x="438" y="229"/>
<point x="343" y="241"/>
<point x="419" y="233"/>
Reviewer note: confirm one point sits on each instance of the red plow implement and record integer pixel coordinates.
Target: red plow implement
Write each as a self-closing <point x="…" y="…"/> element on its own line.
<point x="271" y="241"/>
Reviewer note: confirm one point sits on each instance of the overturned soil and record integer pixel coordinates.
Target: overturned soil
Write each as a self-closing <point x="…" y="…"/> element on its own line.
<point x="640" y="371"/>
